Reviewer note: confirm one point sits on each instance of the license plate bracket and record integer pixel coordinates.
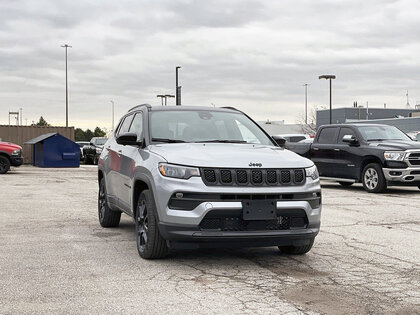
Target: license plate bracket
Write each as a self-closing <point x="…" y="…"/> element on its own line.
<point x="259" y="210"/>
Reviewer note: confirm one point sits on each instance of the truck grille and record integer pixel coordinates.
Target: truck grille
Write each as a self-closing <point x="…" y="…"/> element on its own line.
<point x="414" y="158"/>
<point x="252" y="177"/>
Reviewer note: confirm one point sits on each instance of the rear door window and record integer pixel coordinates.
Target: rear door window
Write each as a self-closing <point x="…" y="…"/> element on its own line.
<point x="328" y="135"/>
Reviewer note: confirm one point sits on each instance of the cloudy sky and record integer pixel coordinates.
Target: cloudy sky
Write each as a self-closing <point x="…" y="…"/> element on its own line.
<point x="254" y="55"/>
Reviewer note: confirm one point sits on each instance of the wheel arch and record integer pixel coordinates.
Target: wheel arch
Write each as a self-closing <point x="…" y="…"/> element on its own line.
<point x="7" y="155"/>
<point x="367" y="160"/>
<point x="139" y="186"/>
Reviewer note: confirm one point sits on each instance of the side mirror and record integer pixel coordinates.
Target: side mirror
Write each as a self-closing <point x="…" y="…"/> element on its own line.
<point x="128" y="138"/>
<point x="280" y="141"/>
<point x="350" y="139"/>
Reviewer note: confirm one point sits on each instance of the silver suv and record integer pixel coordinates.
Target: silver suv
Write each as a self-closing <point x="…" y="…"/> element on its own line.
<point x="196" y="177"/>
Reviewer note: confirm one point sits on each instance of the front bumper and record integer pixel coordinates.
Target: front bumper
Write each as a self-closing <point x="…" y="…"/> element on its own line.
<point x="16" y="161"/>
<point x="182" y="227"/>
<point x="402" y="176"/>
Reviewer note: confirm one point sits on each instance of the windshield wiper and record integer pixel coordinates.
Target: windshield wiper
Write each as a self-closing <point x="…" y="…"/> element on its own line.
<point x="167" y="140"/>
<point x="221" y="141"/>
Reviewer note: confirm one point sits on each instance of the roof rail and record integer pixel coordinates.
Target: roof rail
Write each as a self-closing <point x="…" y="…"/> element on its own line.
<point x="139" y="106"/>
<point x="232" y="108"/>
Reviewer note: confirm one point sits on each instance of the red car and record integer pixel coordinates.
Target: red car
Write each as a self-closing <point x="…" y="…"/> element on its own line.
<point x="10" y="155"/>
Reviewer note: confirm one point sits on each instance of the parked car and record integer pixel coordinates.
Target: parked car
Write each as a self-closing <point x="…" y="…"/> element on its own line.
<point x="10" y="155"/>
<point x="195" y="177"/>
<point x="81" y="144"/>
<point x="415" y="135"/>
<point x="295" y="137"/>
<point x="93" y="150"/>
<point x="375" y="155"/>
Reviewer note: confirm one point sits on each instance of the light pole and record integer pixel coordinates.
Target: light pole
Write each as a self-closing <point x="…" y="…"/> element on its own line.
<point x="178" y="88"/>
<point x="329" y="77"/>
<point x="161" y="97"/>
<point x="66" y="46"/>
<point x="168" y="96"/>
<point x="306" y="102"/>
<point x="112" y="102"/>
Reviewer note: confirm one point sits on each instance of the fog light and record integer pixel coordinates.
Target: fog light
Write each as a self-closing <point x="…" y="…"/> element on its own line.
<point x="394" y="173"/>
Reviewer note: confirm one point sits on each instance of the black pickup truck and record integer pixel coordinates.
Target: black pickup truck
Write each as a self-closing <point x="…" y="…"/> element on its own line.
<point x="92" y="151"/>
<point x="375" y="155"/>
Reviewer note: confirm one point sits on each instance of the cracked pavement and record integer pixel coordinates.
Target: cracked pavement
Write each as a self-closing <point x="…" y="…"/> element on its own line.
<point x="55" y="258"/>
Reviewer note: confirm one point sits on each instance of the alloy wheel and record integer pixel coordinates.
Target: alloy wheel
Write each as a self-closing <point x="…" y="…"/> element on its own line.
<point x="102" y="202"/>
<point x="371" y="178"/>
<point x="142" y="225"/>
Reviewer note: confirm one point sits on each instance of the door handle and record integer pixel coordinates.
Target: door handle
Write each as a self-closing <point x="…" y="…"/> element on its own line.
<point x="336" y="150"/>
<point x="316" y="149"/>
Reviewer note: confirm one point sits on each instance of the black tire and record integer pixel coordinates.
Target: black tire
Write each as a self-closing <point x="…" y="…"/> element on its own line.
<point x="373" y="178"/>
<point x="107" y="217"/>
<point x="4" y="164"/>
<point x="150" y="244"/>
<point x="346" y="184"/>
<point x="297" y="250"/>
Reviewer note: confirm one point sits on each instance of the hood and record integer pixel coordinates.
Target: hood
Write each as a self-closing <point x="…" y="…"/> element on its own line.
<point x="11" y="146"/>
<point x="396" y="145"/>
<point x="229" y="155"/>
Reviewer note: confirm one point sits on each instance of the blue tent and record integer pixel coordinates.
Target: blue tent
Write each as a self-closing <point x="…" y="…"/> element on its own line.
<point x="54" y="150"/>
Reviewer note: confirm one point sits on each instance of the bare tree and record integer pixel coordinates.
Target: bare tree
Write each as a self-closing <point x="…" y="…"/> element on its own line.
<point x="310" y="127"/>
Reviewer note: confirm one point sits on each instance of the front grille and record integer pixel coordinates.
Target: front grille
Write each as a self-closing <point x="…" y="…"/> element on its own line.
<point x="414" y="158"/>
<point x="252" y="177"/>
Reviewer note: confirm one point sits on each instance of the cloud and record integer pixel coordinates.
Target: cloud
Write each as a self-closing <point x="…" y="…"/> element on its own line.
<point x="251" y="54"/>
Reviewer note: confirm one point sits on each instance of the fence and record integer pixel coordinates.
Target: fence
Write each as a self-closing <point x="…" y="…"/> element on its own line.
<point x="21" y="134"/>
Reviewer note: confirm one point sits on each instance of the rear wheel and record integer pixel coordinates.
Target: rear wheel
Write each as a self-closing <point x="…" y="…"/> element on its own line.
<point x="346" y="184"/>
<point x="150" y="244"/>
<point x="373" y="178"/>
<point x="107" y="217"/>
<point x="4" y="164"/>
<point x="297" y="250"/>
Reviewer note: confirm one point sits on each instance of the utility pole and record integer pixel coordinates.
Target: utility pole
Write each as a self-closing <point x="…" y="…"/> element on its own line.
<point x="66" y="46"/>
<point x="306" y="102"/>
<point x="112" y="102"/>
<point x="367" y="110"/>
<point x="329" y="77"/>
<point x="177" y="87"/>
<point x="408" y="103"/>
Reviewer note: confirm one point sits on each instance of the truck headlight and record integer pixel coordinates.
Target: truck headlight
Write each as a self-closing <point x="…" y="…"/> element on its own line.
<point x="394" y="155"/>
<point x="178" y="171"/>
<point x="16" y="152"/>
<point x="312" y="172"/>
<point x="98" y="150"/>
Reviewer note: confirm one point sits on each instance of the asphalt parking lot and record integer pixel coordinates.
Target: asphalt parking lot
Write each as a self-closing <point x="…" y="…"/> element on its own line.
<point x="55" y="258"/>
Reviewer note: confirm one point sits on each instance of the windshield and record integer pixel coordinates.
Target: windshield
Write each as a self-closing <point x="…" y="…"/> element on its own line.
<point x="380" y="133"/>
<point x="100" y="141"/>
<point x="205" y="126"/>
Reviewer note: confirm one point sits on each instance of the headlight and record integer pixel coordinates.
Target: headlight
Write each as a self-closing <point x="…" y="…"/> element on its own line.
<point x="394" y="156"/>
<point x="16" y="152"/>
<point x="98" y="150"/>
<point x="312" y="172"/>
<point x="178" y="171"/>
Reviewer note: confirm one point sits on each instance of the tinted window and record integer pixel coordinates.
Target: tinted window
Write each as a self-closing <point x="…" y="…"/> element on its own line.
<point x="137" y="125"/>
<point x="380" y="133"/>
<point x="345" y="132"/>
<point x="328" y="135"/>
<point x="125" y="124"/>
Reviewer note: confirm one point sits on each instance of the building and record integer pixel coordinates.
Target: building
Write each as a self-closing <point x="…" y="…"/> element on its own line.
<point x="352" y="114"/>
<point x="279" y="127"/>
<point x="407" y="124"/>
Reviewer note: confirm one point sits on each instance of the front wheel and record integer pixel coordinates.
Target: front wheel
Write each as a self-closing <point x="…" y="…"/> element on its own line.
<point x="373" y="178"/>
<point x="150" y="244"/>
<point x="4" y="164"/>
<point x="297" y="250"/>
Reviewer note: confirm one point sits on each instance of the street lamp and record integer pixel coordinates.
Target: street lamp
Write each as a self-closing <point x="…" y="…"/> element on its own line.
<point x="165" y="96"/>
<point x="67" y="92"/>
<point x="112" y="102"/>
<point x="178" y="88"/>
<point x="329" y="77"/>
<point x="306" y="102"/>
